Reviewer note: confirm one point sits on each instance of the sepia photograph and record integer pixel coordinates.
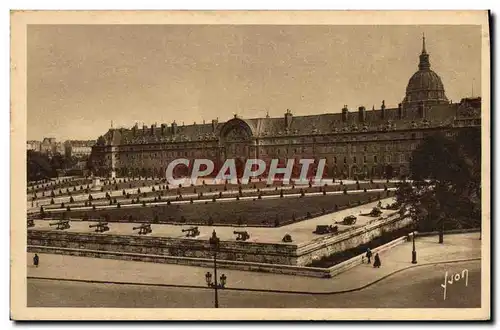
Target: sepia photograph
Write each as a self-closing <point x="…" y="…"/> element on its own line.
<point x="284" y="165"/>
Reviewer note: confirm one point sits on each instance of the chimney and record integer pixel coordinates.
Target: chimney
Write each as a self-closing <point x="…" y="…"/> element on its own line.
<point x="362" y="114"/>
<point x="215" y="122"/>
<point x="400" y="111"/>
<point x="134" y="129"/>
<point x="382" y="109"/>
<point x="174" y="128"/>
<point x="153" y="129"/>
<point x="345" y="113"/>
<point x="163" y="129"/>
<point x="288" y="119"/>
<point x="144" y="129"/>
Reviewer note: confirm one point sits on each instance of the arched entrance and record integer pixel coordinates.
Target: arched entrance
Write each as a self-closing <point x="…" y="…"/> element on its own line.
<point x="235" y="141"/>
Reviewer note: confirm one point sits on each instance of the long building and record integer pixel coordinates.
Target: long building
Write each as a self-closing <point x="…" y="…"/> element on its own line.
<point x="359" y="143"/>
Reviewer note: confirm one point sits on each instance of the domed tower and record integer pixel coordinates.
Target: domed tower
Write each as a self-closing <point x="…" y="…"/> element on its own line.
<point x="425" y="86"/>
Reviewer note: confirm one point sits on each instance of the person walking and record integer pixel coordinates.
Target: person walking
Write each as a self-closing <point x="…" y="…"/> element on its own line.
<point x="36" y="260"/>
<point x="376" y="262"/>
<point x="369" y="255"/>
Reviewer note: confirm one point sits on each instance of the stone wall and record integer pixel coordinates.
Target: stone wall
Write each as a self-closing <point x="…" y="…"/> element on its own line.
<point x="329" y="245"/>
<point x="178" y="247"/>
<point x="237" y="251"/>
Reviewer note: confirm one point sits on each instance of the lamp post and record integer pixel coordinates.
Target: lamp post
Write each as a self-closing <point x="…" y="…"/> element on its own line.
<point x="214" y="243"/>
<point x="414" y="252"/>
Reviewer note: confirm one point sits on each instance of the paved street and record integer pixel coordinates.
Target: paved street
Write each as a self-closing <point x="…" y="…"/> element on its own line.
<point x="414" y="288"/>
<point x="455" y="247"/>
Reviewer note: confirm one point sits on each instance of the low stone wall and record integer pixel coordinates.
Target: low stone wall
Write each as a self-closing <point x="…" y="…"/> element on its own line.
<point x="266" y="257"/>
<point x="164" y="246"/>
<point x="448" y="232"/>
<point x="205" y="262"/>
<point x="357" y="260"/>
<point x="337" y="243"/>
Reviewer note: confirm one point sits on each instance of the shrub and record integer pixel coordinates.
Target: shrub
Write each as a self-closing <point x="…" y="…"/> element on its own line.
<point x="62" y="205"/>
<point x="71" y="199"/>
<point x="52" y="201"/>
<point x="143" y="204"/>
<point x="118" y="205"/>
<point x="93" y="207"/>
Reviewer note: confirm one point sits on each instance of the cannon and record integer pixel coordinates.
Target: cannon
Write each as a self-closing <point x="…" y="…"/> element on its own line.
<point x="143" y="229"/>
<point x="31" y="223"/>
<point x="61" y="225"/>
<point x="325" y="229"/>
<point x="287" y="238"/>
<point x="242" y="235"/>
<point x="100" y="227"/>
<point x="375" y="212"/>
<point x="191" y="232"/>
<point x="349" y="220"/>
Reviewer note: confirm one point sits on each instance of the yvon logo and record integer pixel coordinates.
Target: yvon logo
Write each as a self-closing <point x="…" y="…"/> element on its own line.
<point x="454" y="278"/>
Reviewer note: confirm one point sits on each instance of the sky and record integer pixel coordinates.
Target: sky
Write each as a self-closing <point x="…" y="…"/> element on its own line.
<point x="83" y="77"/>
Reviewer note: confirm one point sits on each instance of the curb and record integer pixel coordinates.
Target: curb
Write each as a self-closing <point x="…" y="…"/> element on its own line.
<point x="257" y="290"/>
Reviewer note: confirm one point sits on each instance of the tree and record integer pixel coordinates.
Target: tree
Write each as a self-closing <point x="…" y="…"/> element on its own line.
<point x="446" y="182"/>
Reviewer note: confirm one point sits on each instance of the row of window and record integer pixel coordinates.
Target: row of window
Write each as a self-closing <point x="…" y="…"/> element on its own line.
<point x="340" y="149"/>
<point x="401" y="158"/>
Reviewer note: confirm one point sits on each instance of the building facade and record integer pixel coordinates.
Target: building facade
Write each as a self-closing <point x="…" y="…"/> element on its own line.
<point x="77" y="148"/>
<point x="359" y="143"/>
<point x="33" y="145"/>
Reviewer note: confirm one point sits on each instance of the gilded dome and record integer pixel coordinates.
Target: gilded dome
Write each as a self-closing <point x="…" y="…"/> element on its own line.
<point x="425" y="86"/>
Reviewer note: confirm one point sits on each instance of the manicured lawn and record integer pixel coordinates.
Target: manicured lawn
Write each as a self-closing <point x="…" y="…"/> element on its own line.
<point x="256" y="212"/>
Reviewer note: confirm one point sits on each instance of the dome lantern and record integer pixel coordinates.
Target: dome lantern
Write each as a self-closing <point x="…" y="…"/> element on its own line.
<point x="425" y="85"/>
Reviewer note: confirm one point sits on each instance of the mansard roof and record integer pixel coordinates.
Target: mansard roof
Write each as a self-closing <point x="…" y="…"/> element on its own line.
<point x="330" y="123"/>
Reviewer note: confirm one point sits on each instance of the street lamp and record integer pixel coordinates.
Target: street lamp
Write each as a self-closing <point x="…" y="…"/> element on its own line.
<point x="214" y="243"/>
<point x="414" y="252"/>
<point x="420" y="214"/>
